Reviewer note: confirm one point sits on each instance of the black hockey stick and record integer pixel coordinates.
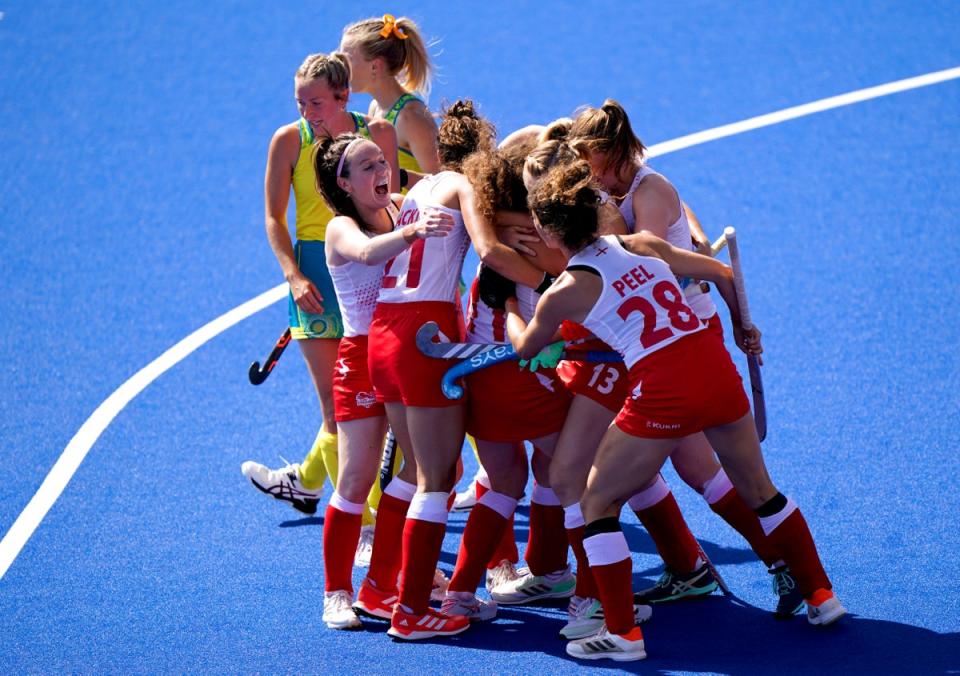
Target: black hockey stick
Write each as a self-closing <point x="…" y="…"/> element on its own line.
<point x="256" y="374"/>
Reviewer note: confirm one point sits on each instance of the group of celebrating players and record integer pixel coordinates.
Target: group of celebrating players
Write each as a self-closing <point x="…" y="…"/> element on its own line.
<point x="583" y="248"/>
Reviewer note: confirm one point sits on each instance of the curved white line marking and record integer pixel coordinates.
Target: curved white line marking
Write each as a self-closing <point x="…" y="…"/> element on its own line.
<point x="81" y="443"/>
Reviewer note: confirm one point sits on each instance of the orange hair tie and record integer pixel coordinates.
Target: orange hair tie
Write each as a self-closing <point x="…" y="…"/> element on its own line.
<point x="390" y="27"/>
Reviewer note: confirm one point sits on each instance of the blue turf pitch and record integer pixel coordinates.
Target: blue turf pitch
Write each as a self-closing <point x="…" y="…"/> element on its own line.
<point x="132" y="143"/>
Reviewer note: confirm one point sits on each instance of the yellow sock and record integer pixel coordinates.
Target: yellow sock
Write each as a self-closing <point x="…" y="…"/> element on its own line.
<point x="473" y="445"/>
<point x="314" y="468"/>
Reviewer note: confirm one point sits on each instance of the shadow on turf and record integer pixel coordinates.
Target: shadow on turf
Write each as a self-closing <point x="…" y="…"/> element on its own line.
<point x="720" y="635"/>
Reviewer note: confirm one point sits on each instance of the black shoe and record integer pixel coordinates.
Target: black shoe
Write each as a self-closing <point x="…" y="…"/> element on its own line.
<point x="675" y="586"/>
<point x="790" y="600"/>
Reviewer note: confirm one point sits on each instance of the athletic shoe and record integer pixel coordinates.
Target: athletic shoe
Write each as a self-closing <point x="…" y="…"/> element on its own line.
<point x="824" y="608"/>
<point x="503" y="572"/>
<point x="586" y="617"/>
<point x="364" y="548"/>
<point x="283" y="484"/>
<point x="440" y="584"/>
<point x="675" y="586"/>
<point x="467" y="500"/>
<point x="371" y="602"/>
<point x="414" y="626"/>
<point x="529" y="587"/>
<point x="469" y="606"/>
<point x="604" y="645"/>
<point x="790" y="601"/>
<point x="338" y="611"/>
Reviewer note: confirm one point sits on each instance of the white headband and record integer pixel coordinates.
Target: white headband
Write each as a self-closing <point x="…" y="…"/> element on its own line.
<point x="344" y="155"/>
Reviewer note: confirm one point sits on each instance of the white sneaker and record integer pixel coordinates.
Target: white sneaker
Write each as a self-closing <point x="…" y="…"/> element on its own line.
<point x="503" y="572"/>
<point x="604" y="645"/>
<point x="338" y="610"/>
<point x="586" y="617"/>
<point x="468" y="605"/>
<point x="364" y="548"/>
<point x="467" y="500"/>
<point x="529" y="587"/>
<point x="440" y="584"/>
<point x="283" y="484"/>
<point x="827" y="611"/>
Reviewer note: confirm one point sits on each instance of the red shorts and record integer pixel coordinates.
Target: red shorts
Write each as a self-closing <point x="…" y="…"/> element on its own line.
<point x="398" y="370"/>
<point x="507" y="403"/>
<point x="683" y="388"/>
<point x="606" y="384"/>
<point x="353" y="395"/>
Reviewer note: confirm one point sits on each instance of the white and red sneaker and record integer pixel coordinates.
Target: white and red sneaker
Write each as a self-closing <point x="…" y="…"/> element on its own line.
<point x="371" y="602"/>
<point x="824" y="608"/>
<point x="415" y="626"/>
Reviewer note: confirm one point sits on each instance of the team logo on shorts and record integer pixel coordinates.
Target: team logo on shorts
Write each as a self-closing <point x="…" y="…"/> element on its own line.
<point x="652" y="424"/>
<point x="366" y="399"/>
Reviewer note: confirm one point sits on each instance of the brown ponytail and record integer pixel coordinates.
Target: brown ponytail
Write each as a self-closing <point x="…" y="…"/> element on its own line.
<point x="406" y="57"/>
<point x="607" y="130"/>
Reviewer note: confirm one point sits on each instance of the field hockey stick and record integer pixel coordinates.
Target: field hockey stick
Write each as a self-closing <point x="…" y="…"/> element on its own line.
<point x="429" y="348"/>
<point x="388" y="460"/>
<point x="724" y="589"/>
<point x="256" y="374"/>
<point x="753" y="365"/>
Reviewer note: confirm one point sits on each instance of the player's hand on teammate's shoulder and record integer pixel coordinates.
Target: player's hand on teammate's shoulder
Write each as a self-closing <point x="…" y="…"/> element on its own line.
<point x="433" y="223"/>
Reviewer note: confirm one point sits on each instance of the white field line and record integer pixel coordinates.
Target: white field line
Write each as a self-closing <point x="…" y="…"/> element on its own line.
<point x="65" y="467"/>
<point x="800" y="111"/>
<point x="81" y="443"/>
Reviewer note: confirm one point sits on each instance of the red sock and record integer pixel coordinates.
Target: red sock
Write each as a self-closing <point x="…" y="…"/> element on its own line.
<point x="668" y="529"/>
<point x="547" y="545"/>
<point x="612" y="569"/>
<point x="481" y="536"/>
<point x="387" y="542"/>
<point x="586" y="586"/>
<point x="796" y="547"/>
<point x="422" y="541"/>
<point x="341" y="531"/>
<point x="451" y="499"/>
<point x="615" y="585"/>
<point x="732" y="509"/>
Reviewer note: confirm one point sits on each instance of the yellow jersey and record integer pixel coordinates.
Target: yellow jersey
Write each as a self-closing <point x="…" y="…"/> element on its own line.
<point x="313" y="214"/>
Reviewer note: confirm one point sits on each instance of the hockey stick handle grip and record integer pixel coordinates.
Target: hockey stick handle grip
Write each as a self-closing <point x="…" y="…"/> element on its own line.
<point x="730" y="234"/>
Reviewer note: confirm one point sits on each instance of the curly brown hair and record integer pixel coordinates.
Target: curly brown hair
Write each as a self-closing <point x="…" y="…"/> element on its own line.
<point x="462" y="132"/>
<point x="565" y="203"/>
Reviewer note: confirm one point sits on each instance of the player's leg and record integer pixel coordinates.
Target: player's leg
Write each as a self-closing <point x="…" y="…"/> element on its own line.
<point x="623" y="464"/>
<point x="487" y="525"/>
<point x="360" y="443"/>
<point x="436" y="438"/>
<point x="738" y="447"/>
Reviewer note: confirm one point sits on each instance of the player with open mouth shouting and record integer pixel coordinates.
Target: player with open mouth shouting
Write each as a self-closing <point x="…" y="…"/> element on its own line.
<point x="354" y="179"/>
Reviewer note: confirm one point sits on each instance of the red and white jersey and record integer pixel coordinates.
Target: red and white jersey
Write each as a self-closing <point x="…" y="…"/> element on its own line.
<point x="641" y="308"/>
<point x="678" y="234"/>
<point x="358" y="287"/>
<point x="430" y="269"/>
<point x="486" y="325"/>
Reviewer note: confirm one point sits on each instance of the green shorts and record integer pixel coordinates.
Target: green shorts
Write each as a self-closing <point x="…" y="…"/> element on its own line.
<point x="312" y="259"/>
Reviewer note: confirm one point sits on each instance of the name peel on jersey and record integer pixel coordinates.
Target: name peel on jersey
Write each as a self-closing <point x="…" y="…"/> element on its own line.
<point x="633" y="280"/>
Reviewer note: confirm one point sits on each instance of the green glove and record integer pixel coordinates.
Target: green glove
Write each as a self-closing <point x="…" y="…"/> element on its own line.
<point x="547" y="358"/>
